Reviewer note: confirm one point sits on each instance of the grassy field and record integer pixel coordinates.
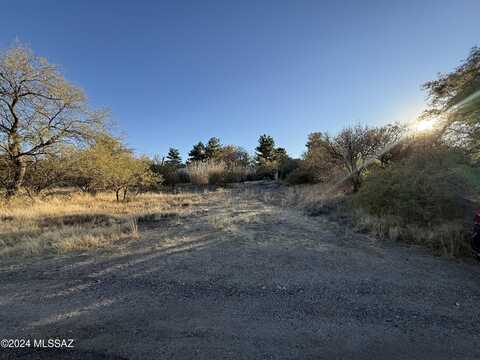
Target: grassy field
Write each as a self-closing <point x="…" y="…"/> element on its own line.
<point x="79" y="221"/>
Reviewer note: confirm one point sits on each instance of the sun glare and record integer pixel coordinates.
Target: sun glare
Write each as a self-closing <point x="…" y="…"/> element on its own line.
<point x="424" y="125"/>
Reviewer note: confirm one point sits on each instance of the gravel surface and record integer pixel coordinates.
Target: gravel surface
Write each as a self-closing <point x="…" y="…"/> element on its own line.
<point x="239" y="279"/>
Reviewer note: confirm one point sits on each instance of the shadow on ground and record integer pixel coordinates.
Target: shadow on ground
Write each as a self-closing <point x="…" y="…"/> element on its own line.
<point x="239" y="279"/>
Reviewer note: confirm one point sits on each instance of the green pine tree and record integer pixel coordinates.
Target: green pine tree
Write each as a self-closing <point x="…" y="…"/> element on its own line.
<point x="265" y="149"/>
<point x="213" y="148"/>
<point x="198" y="152"/>
<point x="173" y="158"/>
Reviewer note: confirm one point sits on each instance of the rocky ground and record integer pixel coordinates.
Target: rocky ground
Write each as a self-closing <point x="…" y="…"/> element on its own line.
<point x="236" y="278"/>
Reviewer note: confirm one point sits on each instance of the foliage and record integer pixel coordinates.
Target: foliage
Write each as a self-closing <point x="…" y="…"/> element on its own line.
<point x="270" y="159"/>
<point x="425" y="189"/>
<point x="453" y="88"/>
<point x="287" y="166"/>
<point x="392" y="143"/>
<point x="265" y="151"/>
<point x="173" y="158"/>
<point x="316" y="165"/>
<point x="38" y="110"/>
<point x="455" y="99"/>
<point x="200" y="172"/>
<point x="216" y="172"/>
<point x="168" y="168"/>
<point x="198" y="152"/>
<point x="213" y="148"/>
<point x="234" y="156"/>
<point x="108" y="165"/>
<point x="301" y="175"/>
<point x="49" y="171"/>
<point x="423" y="199"/>
<point x="352" y="149"/>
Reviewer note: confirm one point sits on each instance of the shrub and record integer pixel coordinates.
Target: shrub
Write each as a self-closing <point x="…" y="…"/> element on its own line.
<point x="109" y="165"/>
<point x="288" y="166"/>
<point x="267" y="170"/>
<point x="424" y="189"/>
<point x="171" y="174"/>
<point x="216" y="172"/>
<point x="238" y="173"/>
<point x="200" y="172"/>
<point x="217" y="177"/>
<point x="421" y="199"/>
<point x="300" y="175"/>
<point x="182" y="176"/>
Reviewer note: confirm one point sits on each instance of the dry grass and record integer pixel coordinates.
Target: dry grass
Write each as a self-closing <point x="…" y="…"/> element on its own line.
<point x="450" y="239"/>
<point x="78" y="221"/>
<point x="301" y="197"/>
<point x="200" y="172"/>
<point x="216" y="172"/>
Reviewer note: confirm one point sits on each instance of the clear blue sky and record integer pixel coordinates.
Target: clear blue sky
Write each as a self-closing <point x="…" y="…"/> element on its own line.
<point x="176" y="72"/>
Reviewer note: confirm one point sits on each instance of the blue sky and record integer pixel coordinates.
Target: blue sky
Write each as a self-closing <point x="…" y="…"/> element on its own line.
<point x="176" y="72"/>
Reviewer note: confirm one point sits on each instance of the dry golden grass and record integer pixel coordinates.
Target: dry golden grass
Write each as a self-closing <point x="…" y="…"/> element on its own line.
<point x="216" y="172"/>
<point x="78" y="221"/>
<point x="201" y="171"/>
<point x="449" y="239"/>
<point x="298" y="196"/>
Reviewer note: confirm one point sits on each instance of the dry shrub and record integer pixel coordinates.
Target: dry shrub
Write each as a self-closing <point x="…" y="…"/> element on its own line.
<point x="216" y="172"/>
<point x="201" y="171"/>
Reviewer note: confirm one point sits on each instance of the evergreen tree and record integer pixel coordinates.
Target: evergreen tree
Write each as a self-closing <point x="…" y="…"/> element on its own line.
<point x="265" y="149"/>
<point x="174" y="158"/>
<point x="280" y="154"/>
<point x="213" y="148"/>
<point x="198" y="152"/>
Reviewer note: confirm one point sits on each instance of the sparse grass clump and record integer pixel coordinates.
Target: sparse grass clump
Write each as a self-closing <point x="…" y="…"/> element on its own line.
<point x="77" y="221"/>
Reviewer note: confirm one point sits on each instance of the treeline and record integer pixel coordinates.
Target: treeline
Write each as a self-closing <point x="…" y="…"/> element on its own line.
<point x="217" y="164"/>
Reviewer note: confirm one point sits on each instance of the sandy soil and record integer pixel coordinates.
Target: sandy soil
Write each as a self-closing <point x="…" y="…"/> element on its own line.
<point x="236" y="278"/>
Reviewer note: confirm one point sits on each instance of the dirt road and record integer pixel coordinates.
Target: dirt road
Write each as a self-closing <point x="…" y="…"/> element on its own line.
<point x="238" y="279"/>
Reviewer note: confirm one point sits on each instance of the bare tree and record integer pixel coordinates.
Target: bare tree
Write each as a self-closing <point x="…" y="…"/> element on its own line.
<point x="39" y="109"/>
<point x="391" y="142"/>
<point x="351" y="149"/>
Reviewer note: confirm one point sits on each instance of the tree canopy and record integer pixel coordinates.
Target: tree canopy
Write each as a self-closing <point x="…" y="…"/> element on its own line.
<point x="173" y="158"/>
<point x="455" y="98"/>
<point x="198" y="152"/>
<point x="39" y="109"/>
<point x="265" y="149"/>
<point x="213" y="148"/>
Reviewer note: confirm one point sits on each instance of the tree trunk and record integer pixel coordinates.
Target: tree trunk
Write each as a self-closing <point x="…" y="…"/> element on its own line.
<point x="19" y="169"/>
<point x="356" y="181"/>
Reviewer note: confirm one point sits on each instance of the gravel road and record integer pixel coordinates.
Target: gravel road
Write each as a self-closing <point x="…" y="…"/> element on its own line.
<point x="236" y="278"/>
